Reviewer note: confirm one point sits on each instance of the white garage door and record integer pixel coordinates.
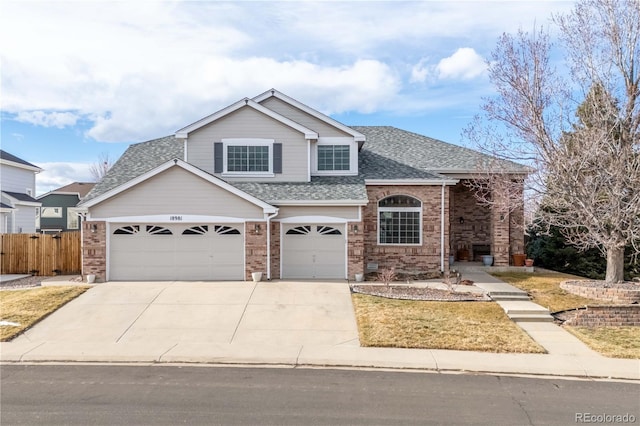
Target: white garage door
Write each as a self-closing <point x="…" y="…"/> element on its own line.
<point x="176" y="252"/>
<point x="313" y="251"/>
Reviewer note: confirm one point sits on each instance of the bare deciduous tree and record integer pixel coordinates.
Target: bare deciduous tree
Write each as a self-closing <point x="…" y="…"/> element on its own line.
<point x="101" y="167"/>
<point x="581" y="136"/>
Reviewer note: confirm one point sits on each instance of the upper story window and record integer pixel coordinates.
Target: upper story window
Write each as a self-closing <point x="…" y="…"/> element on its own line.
<point x="334" y="156"/>
<point x="49" y="212"/>
<point x="248" y="157"/>
<point x="400" y="220"/>
<point x="243" y="158"/>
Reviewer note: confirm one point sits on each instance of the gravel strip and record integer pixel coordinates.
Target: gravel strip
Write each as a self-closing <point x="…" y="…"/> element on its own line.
<point x="26" y="282"/>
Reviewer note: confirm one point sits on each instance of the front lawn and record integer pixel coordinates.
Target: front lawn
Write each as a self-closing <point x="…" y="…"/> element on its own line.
<point x="544" y="288"/>
<point x="27" y="307"/>
<point x="468" y="326"/>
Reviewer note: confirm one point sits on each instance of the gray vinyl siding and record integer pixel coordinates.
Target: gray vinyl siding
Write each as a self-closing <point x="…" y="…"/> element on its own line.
<point x="58" y="200"/>
<point x="323" y="129"/>
<point x="175" y="191"/>
<point x="343" y="212"/>
<point x="15" y="179"/>
<point x="25" y="220"/>
<point x="249" y="123"/>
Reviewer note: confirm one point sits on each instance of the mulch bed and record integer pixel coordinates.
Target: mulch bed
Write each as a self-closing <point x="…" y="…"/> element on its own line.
<point x="626" y="285"/>
<point x="417" y="293"/>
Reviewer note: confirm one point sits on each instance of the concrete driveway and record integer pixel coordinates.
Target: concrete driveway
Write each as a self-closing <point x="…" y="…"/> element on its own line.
<point x="266" y="313"/>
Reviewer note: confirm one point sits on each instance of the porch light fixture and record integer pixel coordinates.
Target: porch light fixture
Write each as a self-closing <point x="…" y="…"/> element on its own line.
<point x="94" y="228"/>
<point x="461" y="220"/>
<point x="355" y="229"/>
<point x="257" y="228"/>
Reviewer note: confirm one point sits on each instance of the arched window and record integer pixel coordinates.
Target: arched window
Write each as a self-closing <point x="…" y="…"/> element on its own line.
<point x="399" y="220"/>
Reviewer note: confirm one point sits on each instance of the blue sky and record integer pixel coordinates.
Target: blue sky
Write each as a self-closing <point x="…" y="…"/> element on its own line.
<point x="79" y="79"/>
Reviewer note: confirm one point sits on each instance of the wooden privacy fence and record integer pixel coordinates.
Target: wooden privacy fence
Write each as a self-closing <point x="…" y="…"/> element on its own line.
<point x="41" y="254"/>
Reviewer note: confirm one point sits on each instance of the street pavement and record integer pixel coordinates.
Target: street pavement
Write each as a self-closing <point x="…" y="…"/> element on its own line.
<point x="282" y="323"/>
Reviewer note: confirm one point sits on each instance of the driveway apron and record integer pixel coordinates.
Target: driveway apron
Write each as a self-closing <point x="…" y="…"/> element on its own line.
<point x="264" y="313"/>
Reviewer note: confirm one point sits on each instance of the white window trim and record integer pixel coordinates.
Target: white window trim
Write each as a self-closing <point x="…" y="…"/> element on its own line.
<point x="247" y="142"/>
<point x="55" y="215"/>
<point x="71" y="213"/>
<point x="353" y="156"/>
<point x="400" y="209"/>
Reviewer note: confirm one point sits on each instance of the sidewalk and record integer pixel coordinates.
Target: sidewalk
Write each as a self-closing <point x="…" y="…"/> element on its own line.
<point x="567" y="356"/>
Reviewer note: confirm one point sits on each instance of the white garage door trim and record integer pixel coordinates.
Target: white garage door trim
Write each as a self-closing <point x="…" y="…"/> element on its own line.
<point x="175" y="251"/>
<point x="314" y="229"/>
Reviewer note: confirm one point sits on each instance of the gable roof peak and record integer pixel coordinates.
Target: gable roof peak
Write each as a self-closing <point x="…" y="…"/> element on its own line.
<point x="245" y="102"/>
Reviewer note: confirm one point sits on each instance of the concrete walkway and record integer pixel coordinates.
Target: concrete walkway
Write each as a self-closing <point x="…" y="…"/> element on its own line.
<point x="279" y="323"/>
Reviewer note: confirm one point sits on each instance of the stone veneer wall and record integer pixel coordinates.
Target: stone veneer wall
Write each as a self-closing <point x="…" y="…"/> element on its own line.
<point x="275" y="250"/>
<point x="355" y="249"/>
<point x="255" y="249"/>
<point x="610" y="294"/>
<point x="596" y="316"/>
<point x="94" y="249"/>
<point x="411" y="259"/>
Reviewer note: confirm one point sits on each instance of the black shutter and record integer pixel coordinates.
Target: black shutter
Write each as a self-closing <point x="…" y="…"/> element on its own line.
<point x="277" y="158"/>
<point x="217" y="157"/>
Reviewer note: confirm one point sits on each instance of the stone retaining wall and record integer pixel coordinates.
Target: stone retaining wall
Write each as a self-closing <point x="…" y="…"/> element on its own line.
<point x="610" y="294"/>
<point x="595" y="316"/>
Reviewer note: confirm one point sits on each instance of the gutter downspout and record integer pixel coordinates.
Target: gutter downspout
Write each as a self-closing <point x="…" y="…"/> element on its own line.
<point x="268" y="230"/>
<point x="442" y="229"/>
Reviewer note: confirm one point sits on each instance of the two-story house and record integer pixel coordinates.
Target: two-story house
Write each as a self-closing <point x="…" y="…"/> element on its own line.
<point x="271" y="185"/>
<point x="59" y="212"/>
<point x="18" y="207"/>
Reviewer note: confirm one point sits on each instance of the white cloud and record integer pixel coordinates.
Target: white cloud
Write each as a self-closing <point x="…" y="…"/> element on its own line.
<point x="464" y="64"/>
<point x="48" y="119"/>
<point x="56" y="174"/>
<point x="137" y="70"/>
<point x="420" y="71"/>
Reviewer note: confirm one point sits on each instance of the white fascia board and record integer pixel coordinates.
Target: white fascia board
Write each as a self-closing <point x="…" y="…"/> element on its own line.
<point x="358" y="137"/>
<point x="267" y="208"/>
<point x="16" y="201"/>
<point x="432" y="182"/>
<point x="57" y="193"/>
<point x="6" y="209"/>
<point x="21" y="166"/>
<point x="467" y="173"/>
<point x="333" y="203"/>
<point x="314" y="219"/>
<point x="184" y="132"/>
<point x="175" y="218"/>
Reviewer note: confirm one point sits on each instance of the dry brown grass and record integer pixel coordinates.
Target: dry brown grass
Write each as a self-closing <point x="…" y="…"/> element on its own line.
<point x="544" y="288"/>
<point x="468" y="326"/>
<point x="27" y="307"/>
<point x="617" y="342"/>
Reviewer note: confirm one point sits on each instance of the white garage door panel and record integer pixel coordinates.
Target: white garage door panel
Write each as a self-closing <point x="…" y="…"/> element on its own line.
<point x="176" y="252"/>
<point x="313" y="251"/>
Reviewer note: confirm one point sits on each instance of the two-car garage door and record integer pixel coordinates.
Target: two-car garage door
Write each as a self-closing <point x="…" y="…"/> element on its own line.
<point x="176" y="252"/>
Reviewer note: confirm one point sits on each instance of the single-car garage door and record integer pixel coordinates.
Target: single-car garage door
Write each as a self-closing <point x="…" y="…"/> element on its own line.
<point x="164" y="252"/>
<point x="313" y="251"/>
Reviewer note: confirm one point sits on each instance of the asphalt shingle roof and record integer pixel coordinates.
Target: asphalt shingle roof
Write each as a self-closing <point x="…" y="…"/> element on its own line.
<point x="424" y="153"/>
<point x="321" y="188"/>
<point x="21" y="197"/>
<point x="388" y="154"/>
<point x="138" y="159"/>
<point x="4" y="155"/>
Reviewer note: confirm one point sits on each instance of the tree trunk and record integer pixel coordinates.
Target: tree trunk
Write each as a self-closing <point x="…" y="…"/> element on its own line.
<point x="615" y="265"/>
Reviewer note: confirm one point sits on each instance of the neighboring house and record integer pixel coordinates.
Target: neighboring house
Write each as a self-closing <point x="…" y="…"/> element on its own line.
<point x="271" y="185"/>
<point x="18" y="185"/>
<point x="59" y="212"/>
